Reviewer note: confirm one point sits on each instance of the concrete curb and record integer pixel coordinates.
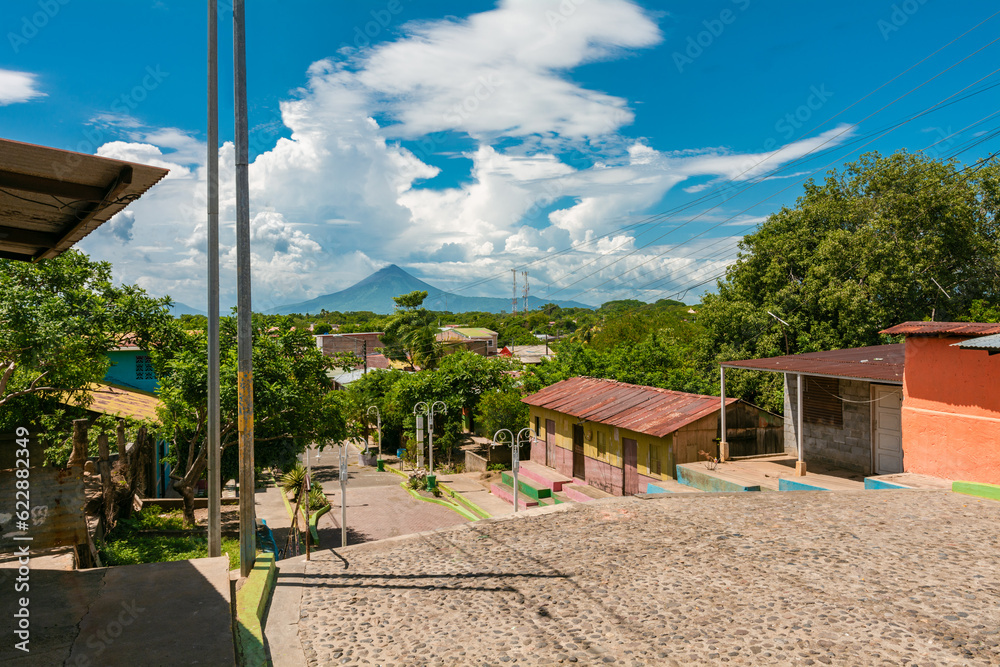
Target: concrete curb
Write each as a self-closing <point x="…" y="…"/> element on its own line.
<point x="471" y="506"/>
<point x="251" y="603"/>
<point x="461" y="511"/>
<point x="978" y="489"/>
<point x="313" y="518"/>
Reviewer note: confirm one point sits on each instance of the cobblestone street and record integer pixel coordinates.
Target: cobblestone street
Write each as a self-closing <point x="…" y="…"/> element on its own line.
<point x="865" y="578"/>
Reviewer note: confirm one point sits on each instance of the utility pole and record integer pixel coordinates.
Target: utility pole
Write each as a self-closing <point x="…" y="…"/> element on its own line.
<point x="214" y="451"/>
<point x="513" y="301"/>
<point x="248" y="537"/>
<point x="525" y="304"/>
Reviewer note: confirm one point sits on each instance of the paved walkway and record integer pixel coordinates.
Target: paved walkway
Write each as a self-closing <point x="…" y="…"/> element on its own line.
<point x="853" y="578"/>
<point x="466" y="485"/>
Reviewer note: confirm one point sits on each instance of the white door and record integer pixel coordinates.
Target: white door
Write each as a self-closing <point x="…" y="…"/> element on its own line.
<point x="887" y="429"/>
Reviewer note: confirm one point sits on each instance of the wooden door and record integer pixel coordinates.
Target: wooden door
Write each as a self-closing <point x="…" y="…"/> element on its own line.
<point x="887" y="429"/>
<point x="550" y="443"/>
<point x="579" y="469"/>
<point x="630" y="458"/>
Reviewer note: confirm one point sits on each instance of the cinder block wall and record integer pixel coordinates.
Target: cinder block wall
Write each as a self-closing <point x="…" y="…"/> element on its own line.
<point x="848" y="446"/>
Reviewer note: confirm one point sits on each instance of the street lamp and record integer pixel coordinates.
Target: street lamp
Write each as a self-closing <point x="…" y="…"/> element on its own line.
<point x="379" y="464"/>
<point x="524" y="436"/>
<point x="430" y="412"/>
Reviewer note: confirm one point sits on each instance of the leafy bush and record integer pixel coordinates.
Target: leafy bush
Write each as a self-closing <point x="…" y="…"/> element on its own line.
<point x="317" y="499"/>
<point x="292" y="480"/>
<point x="417" y="479"/>
<point x="498" y="467"/>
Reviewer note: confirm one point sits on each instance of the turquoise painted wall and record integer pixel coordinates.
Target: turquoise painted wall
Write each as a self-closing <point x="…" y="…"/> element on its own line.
<point x="131" y="369"/>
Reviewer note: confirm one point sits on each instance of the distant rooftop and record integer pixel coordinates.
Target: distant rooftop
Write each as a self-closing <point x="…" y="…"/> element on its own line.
<point x="117" y="402"/>
<point x="474" y="332"/>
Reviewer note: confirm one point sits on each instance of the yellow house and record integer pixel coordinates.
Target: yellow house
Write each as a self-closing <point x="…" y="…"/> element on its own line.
<point x="622" y="437"/>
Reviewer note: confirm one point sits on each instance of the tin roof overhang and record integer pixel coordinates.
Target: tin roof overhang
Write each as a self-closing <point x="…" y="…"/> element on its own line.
<point x="50" y="199"/>
<point x="877" y="363"/>
<point x="943" y="329"/>
<point x="989" y="343"/>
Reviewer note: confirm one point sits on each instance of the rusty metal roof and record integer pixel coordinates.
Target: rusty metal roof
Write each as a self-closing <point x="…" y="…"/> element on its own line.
<point x="51" y="198"/>
<point x="943" y="329"/>
<point x="118" y="402"/>
<point x="878" y="363"/>
<point x="650" y="410"/>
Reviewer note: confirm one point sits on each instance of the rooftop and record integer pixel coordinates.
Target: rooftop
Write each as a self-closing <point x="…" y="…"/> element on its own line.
<point x="648" y="410"/>
<point x="943" y="329"/>
<point x="117" y="402"/>
<point x="474" y="332"/>
<point x="991" y="343"/>
<point x="878" y="363"/>
<point x="51" y="198"/>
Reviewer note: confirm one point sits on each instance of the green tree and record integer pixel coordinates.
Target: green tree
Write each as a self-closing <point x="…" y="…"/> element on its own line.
<point x="293" y="402"/>
<point x="58" y="319"/>
<point x="502" y="409"/>
<point x="883" y="241"/>
<point x="410" y="332"/>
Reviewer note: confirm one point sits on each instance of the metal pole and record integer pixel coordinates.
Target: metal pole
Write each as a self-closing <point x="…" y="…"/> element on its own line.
<point x="214" y="449"/>
<point x="248" y="546"/>
<point x="723" y="444"/>
<point x="343" y="495"/>
<point x="798" y="415"/>
<point x="430" y="440"/>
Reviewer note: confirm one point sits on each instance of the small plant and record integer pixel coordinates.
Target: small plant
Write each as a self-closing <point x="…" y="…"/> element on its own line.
<point x="711" y="462"/>
<point x="317" y="499"/>
<point x="417" y="479"/>
<point x="498" y="467"/>
<point x="291" y="481"/>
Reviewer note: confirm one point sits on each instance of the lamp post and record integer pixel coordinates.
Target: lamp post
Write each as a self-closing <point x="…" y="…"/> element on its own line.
<point x="343" y="494"/>
<point x="379" y="464"/>
<point x="515" y="459"/>
<point x="429" y="410"/>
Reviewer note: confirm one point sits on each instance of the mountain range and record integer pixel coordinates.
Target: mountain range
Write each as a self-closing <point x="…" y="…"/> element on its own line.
<point x="375" y="294"/>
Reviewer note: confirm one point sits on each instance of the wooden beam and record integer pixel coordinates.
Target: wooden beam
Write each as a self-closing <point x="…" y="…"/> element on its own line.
<point x="123" y="180"/>
<point x="28" y="237"/>
<point x="12" y="180"/>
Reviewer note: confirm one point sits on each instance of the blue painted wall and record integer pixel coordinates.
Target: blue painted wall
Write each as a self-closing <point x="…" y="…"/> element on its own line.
<point x="131" y="369"/>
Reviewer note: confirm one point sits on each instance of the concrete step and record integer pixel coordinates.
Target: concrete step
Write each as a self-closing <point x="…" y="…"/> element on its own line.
<point x="560" y="497"/>
<point x="527" y="486"/>
<point x="544" y="475"/>
<point x="696" y="475"/>
<point x="506" y="493"/>
<point x="583" y="493"/>
<point x="670" y="486"/>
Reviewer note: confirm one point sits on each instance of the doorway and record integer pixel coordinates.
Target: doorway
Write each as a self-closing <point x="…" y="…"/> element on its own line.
<point x="887" y="429"/>
<point x="550" y="443"/>
<point x="579" y="469"/>
<point x="630" y="457"/>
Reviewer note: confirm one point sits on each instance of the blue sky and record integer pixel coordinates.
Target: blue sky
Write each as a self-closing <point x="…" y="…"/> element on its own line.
<point x="462" y="139"/>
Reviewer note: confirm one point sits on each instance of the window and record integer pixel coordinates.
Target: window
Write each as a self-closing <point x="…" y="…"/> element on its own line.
<point x="653" y="462"/>
<point x="602" y="445"/>
<point x="144" y="368"/>
<point x="538" y="427"/>
<point x="821" y="402"/>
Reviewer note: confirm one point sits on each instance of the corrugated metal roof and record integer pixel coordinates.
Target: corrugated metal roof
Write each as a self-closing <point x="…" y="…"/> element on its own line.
<point x="475" y="332"/>
<point x="943" y="329"/>
<point x="51" y="198"/>
<point x="879" y="363"/>
<point x="991" y="343"/>
<point x="650" y="410"/>
<point x="118" y="402"/>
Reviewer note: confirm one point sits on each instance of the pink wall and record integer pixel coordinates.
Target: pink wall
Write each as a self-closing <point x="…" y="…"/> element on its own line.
<point x="951" y="411"/>
<point x="603" y="476"/>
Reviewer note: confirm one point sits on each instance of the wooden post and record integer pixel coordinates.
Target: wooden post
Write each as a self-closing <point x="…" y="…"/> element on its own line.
<point x="103" y="453"/>
<point x="79" y="455"/>
<point x="120" y="435"/>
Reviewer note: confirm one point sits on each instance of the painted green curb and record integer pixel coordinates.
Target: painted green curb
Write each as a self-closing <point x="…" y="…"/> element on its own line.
<point x="398" y="472"/>
<point x="471" y="506"/>
<point x="313" y="518"/>
<point x="443" y="503"/>
<point x="978" y="489"/>
<point x="251" y="602"/>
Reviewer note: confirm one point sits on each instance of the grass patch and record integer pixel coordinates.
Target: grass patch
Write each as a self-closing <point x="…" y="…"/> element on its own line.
<point x="125" y="545"/>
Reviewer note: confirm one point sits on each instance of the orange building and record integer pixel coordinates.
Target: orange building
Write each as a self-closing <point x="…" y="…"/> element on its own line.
<point x="951" y="400"/>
